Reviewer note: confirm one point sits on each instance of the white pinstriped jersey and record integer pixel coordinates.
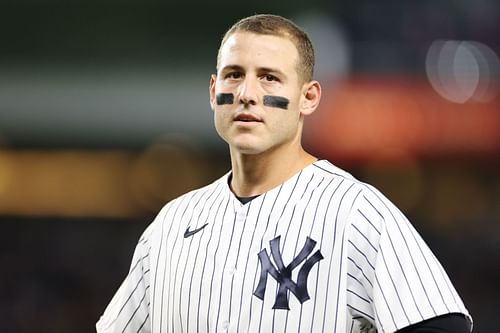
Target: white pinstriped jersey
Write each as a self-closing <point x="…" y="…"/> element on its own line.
<point x="323" y="252"/>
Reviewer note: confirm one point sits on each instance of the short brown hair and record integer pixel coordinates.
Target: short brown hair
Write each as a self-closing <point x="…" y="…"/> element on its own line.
<point x="267" y="24"/>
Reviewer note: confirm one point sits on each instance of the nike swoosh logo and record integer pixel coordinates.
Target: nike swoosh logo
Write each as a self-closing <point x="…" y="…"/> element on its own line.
<point x="188" y="233"/>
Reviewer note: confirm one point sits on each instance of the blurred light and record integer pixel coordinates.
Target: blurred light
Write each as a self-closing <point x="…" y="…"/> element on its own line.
<point x="5" y="173"/>
<point x="330" y="45"/>
<point x="460" y="71"/>
<point x="392" y="118"/>
<point x="106" y="183"/>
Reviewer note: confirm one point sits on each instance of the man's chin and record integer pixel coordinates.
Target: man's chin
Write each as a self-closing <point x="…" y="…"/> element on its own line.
<point x="247" y="149"/>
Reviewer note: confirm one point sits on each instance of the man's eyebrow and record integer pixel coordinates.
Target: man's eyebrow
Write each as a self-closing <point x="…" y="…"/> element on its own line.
<point x="269" y="70"/>
<point x="228" y="68"/>
<point x="231" y="68"/>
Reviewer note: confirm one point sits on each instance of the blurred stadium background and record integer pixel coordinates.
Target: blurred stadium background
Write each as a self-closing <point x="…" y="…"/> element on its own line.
<point x="104" y="117"/>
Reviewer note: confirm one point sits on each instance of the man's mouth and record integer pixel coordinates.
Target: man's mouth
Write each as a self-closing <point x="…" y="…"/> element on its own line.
<point x="247" y="118"/>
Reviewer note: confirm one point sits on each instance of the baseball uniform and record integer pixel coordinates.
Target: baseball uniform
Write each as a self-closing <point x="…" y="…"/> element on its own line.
<point x="322" y="252"/>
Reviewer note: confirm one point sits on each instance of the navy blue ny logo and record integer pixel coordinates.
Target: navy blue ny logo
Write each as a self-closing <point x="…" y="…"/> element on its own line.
<point x="283" y="275"/>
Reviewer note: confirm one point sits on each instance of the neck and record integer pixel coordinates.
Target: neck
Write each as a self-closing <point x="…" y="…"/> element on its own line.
<point x="256" y="174"/>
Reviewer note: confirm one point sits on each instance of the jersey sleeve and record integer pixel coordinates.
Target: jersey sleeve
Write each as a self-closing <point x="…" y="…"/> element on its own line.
<point x="394" y="280"/>
<point x="128" y="310"/>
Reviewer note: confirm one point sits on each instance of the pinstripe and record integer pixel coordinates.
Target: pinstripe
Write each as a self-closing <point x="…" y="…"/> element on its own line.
<point x="214" y="193"/>
<point x="156" y="272"/>
<point x="165" y="266"/>
<point x="369" y="277"/>
<point x="291" y="219"/>
<point x="411" y="256"/>
<point x="340" y="265"/>
<point x="172" y="298"/>
<point x="297" y="240"/>
<point x="205" y="262"/>
<point x="238" y="221"/>
<point x="403" y="271"/>
<point x="248" y="256"/>
<point x="307" y="205"/>
<point x="143" y="323"/>
<point x="366" y="315"/>
<point x="224" y="269"/>
<point x="299" y="236"/>
<point x="142" y="259"/>
<point x="352" y="326"/>
<point x="412" y="232"/>
<point x="354" y="200"/>
<point x="211" y="193"/>
<point x="361" y="270"/>
<point x="193" y="210"/>
<point x="386" y="303"/>
<point x="370" y="222"/>
<point x="361" y="253"/>
<point x="275" y="231"/>
<point x="292" y="192"/>
<point x="372" y="205"/>
<point x="359" y="296"/>
<point x="131" y="294"/>
<point x="401" y="267"/>
<point x="415" y="266"/>
<point x="354" y="278"/>
<point x="321" y="242"/>
<point x="289" y="223"/>
<point x="377" y="318"/>
<point x="366" y="238"/>
<point x="324" y="169"/>
<point x="261" y="241"/>
<point x="448" y="285"/>
<point x="135" y="311"/>
<point x="430" y="271"/>
<point x="394" y="286"/>
<point x="237" y="256"/>
<point x="213" y="271"/>
<point x="320" y="200"/>
<point x="132" y="270"/>
<point x="384" y="205"/>
<point x="356" y="287"/>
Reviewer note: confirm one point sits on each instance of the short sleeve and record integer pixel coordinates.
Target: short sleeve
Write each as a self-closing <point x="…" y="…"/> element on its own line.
<point x="395" y="279"/>
<point x="128" y="310"/>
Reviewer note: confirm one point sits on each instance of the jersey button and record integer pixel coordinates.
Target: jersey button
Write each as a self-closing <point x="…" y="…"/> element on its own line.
<point x="225" y="325"/>
<point x="231" y="270"/>
<point x="241" y="214"/>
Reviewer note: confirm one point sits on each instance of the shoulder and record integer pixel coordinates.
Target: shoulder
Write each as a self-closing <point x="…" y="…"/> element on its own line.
<point x="365" y="200"/>
<point x="330" y="172"/>
<point x="184" y="201"/>
<point x="366" y="194"/>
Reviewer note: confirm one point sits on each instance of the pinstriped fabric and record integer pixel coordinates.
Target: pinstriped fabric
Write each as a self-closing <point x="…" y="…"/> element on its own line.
<point x="375" y="272"/>
<point x="129" y="309"/>
<point x="395" y="280"/>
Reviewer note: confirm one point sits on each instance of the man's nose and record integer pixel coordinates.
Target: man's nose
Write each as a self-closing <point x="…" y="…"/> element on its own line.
<point x="247" y="94"/>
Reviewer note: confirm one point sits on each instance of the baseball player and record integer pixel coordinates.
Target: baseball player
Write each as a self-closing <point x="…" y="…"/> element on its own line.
<point x="284" y="242"/>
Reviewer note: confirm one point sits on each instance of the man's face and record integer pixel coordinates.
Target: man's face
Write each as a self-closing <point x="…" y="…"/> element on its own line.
<point x="260" y="73"/>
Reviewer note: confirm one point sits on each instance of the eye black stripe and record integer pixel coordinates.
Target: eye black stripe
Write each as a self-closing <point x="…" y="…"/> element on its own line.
<point x="222" y="99"/>
<point x="276" y="102"/>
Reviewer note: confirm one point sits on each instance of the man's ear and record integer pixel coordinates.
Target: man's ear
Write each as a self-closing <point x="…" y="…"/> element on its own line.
<point x="310" y="97"/>
<point x="213" y="78"/>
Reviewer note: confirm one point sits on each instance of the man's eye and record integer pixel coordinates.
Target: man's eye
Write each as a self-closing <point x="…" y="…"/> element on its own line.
<point x="270" y="78"/>
<point x="234" y="75"/>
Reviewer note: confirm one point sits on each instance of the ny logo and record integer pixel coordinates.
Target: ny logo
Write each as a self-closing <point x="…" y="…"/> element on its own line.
<point x="283" y="275"/>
